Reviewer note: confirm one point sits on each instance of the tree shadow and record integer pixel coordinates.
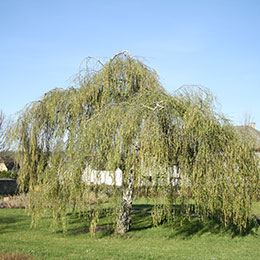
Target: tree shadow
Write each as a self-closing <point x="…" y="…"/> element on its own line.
<point x="9" y="223"/>
<point x="143" y="207"/>
<point x="9" y="220"/>
<point x="101" y="231"/>
<point x="141" y="221"/>
<point x="141" y="217"/>
<point x="78" y="225"/>
<point x="186" y="228"/>
<point x="183" y="226"/>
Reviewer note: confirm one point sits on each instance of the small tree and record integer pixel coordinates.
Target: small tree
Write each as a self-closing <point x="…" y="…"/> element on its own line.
<point x="121" y="117"/>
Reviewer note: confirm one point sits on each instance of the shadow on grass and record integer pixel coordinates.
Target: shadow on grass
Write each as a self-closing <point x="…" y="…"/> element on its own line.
<point x="101" y="231"/>
<point x="186" y="227"/>
<point x="141" y="219"/>
<point x="78" y="224"/>
<point x="182" y="227"/>
<point x="8" y="222"/>
<point x="143" y="207"/>
<point x="189" y="227"/>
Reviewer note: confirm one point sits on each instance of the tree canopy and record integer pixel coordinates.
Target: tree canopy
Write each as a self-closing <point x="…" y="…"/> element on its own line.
<point x="120" y="116"/>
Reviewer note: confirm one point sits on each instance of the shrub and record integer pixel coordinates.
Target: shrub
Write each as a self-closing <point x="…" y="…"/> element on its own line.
<point x="14" y="202"/>
<point x="9" y="174"/>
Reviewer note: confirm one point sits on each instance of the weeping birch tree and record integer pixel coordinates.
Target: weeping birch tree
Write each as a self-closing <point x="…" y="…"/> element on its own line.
<point x="172" y="147"/>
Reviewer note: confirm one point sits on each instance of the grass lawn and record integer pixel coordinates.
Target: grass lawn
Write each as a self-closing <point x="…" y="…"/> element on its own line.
<point x="193" y="241"/>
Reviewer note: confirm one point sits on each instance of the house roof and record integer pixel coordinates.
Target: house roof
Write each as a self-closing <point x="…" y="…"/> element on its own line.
<point x="251" y="135"/>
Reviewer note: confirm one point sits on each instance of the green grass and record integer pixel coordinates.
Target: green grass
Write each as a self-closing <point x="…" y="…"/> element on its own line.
<point x="191" y="241"/>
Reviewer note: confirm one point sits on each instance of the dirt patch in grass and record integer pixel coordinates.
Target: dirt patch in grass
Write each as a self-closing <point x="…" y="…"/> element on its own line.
<point x="14" y="256"/>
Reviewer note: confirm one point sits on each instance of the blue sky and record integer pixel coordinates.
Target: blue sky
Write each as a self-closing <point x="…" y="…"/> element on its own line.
<point x="215" y="44"/>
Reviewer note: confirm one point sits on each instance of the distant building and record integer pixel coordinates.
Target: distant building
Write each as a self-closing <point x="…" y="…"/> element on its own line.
<point x="91" y="176"/>
<point x="251" y="135"/>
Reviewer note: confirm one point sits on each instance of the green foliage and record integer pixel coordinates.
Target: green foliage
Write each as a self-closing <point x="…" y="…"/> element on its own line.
<point x="9" y="174"/>
<point x="121" y="116"/>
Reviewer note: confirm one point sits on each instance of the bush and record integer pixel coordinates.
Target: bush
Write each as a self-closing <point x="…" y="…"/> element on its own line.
<point x="14" y="202"/>
<point x="9" y="174"/>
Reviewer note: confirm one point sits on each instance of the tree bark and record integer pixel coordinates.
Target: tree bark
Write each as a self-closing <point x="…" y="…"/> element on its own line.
<point x="124" y="219"/>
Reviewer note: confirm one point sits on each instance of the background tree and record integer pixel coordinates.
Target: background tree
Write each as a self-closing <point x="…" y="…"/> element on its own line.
<point x="2" y="127"/>
<point x="120" y="116"/>
<point x="5" y="125"/>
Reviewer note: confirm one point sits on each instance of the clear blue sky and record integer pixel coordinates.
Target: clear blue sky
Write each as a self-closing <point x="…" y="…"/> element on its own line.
<point x="212" y="43"/>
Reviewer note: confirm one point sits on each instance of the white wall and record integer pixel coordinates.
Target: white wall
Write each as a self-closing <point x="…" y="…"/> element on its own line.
<point x="102" y="177"/>
<point x="110" y="178"/>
